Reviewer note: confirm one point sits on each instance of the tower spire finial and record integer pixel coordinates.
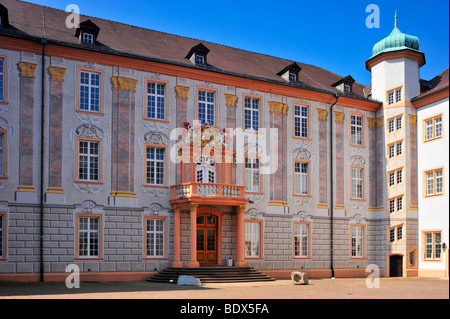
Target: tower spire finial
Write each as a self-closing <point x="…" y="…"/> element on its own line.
<point x="395" y="19"/>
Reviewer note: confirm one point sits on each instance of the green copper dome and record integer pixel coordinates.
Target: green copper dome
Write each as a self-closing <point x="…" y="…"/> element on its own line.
<point x="396" y="41"/>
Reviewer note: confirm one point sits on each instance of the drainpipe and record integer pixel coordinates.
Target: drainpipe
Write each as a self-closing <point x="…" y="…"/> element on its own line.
<point x="41" y="238"/>
<point x="336" y="95"/>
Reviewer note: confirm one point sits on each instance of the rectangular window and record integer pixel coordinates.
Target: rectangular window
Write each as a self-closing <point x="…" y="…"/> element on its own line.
<point x="391" y="151"/>
<point x="89" y="237"/>
<point x="356" y="130"/>
<point x="391" y="98"/>
<point x="90" y="88"/>
<point x="88" y="38"/>
<point x="399" y="176"/>
<point x="399" y="232"/>
<point x="301" y="121"/>
<point x="391" y="126"/>
<point x="2" y="223"/>
<point x="392" y="206"/>
<point x="398" y="95"/>
<point x="155" y="170"/>
<point x="399" y="148"/>
<point x="357" y="183"/>
<point x="251" y="114"/>
<point x="399" y="203"/>
<point x="432" y="242"/>
<point x="433" y="128"/>
<point x="434" y="182"/>
<point x="392" y="235"/>
<point x="89" y="161"/>
<point x="2" y="154"/>
<point x="2" y="79"/>
<point x="252" y="177"/>
<point x="206" y="107"/>
<point x="292" y="77"/>
<point x="155" y="234"/>
<point x="301" y="240"/>
<point x="391" y="179"/>
<point x="398" y="122"/>
<point x="156" y="101"/>
<point x="301" y="178"/>
<point x="252" y="239"/>
<point x="357" y="241"/>
<point x="199" y="59"/>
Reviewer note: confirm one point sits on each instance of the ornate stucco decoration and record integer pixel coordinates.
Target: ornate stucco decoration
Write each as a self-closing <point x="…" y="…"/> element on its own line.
<point x="124" y="83"/>
<point x="277" y="107"/>
<point x="339" y="116"/>
<point x="372" y="122"/>
<point x="56" y="73"/>
<point x="27" y="69"/>
<point x="230" y="99"/>
<point x="182" y="91"/>
<point x="412" y="119"/>
<point x="322" y="114"/>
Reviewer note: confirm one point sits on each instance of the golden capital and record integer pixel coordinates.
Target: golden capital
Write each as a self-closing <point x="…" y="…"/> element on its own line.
<point x="339" y="116"/>
<point x="230" y="99"/>
<point x="124" y="83"/>
<point x="182" y="91"/>
<point x="380" y="121"/>
<point x="412" y="119"/>
<point x="193" y="207"/>
<point x="56" y="73"/>
<point x="240" y="209"/>
<point x="277" y="107"/>
<point x="372" y="122"/>
<point x="27" y="69"/>
<point x="322" y="113"/>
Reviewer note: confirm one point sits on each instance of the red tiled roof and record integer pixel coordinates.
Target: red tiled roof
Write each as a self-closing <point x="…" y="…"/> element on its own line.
<point x="436" y="84"/>
<point x="41" y="21"/>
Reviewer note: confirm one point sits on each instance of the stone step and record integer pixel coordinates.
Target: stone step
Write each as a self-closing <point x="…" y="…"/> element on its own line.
<point x="211" y="274"/>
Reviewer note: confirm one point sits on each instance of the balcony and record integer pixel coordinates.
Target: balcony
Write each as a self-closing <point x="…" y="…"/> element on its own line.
<point x="209" y="193"/>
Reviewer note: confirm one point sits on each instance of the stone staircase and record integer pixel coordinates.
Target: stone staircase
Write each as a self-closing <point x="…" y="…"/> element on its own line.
<point x="211" y="274"/>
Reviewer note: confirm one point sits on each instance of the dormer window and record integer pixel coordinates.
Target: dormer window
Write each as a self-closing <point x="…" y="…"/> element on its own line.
<point x="290" y="73"/>
<point x="199" y="59"/>
<point x="4" y="23"/>
<point x="87" y="32"/>
<point x="345" y="85"/>
<point x="197" y="55"/>
<point x="87" y="38"/>
<point x="292" y="77"/>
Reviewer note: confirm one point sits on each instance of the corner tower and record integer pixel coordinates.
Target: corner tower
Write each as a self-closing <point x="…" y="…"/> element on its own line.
<point x="395" y="81"/>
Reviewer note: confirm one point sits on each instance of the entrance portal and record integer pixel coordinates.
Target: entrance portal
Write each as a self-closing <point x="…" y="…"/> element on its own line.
<point x="396" y="266"/>
<point x="207" y="238"/>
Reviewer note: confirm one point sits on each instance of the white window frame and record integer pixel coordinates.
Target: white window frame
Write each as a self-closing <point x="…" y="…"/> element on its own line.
<point x="301" y="178"/>
<point x="93" y="92"/>
<point x="301" y="121"/>
<point x="357" y="183"/>
<point x="301" y="240"/>
<point x="356" y="128"/>
<point x="156" y="101"/>
<point x="90" y="233"/>
<point x="155" y="246"/>
<point x="2" y="154"/>
<point x="87" y="38"/>
<point x="2" y="79"/>
<point x="357" y="244"/>
<point x="207" y="107"/>
<point x="252" y="174"/>
<point x="199" y="59"/>
<point x="252" y="114"/>
<point x="2" y="235"/>
<point x="252" y="239"/>
<point x="155" y="165"/>
<point x="398" y="95"/>
<point x="92" y="160"/>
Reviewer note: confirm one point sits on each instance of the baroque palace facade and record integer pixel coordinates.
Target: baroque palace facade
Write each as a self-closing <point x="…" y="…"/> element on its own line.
<point x="126" y="151"/>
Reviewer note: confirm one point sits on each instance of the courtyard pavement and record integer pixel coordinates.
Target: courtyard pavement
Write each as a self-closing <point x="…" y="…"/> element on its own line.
<point x="354" y="288"/>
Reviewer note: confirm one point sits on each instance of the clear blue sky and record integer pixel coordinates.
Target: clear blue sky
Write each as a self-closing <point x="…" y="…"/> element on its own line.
<point x="329" y="34"/>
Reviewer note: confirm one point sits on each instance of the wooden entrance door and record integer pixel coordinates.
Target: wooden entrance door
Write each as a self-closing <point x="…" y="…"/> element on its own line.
<point x="396" y="266"/>
<point x="207" y="239"/>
